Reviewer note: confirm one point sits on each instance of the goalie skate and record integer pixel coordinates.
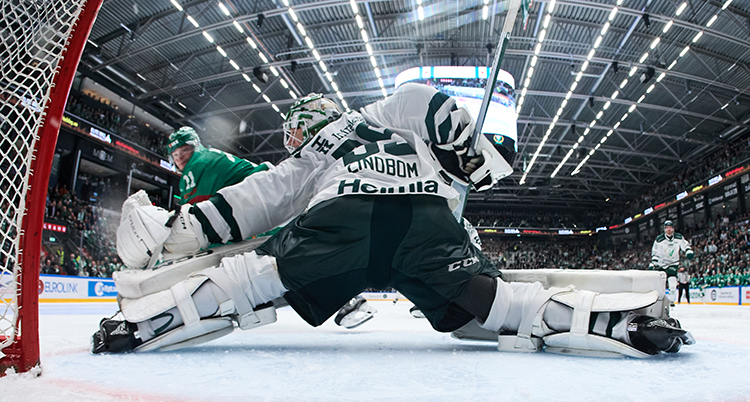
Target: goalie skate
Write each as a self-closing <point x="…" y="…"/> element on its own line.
<point x="354" y="313"/>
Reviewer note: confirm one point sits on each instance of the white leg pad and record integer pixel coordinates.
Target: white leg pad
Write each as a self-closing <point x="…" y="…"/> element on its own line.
<point x="147" y="307"/>
<point x="203" y="331"/>
<point x="578" y="341"/>
<point x="135" y="283"/>
<point x="250" y="280"/>
<point x="599" y="281"/>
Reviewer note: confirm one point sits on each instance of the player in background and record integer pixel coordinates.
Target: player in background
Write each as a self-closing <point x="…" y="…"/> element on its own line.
<point x="373" y="208"/>
<point x="665" y="256"/>
<point x="205" y="171"/>
<point x="683" y="284"/>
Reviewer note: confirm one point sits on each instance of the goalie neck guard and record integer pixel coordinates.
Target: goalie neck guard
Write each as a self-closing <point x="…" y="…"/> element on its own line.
<point x="308" y="115"/>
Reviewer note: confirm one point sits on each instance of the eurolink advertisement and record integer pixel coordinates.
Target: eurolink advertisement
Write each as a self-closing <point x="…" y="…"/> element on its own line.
<point x="56" y="288"/>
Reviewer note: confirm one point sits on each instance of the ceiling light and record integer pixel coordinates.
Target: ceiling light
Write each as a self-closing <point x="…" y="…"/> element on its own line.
<point x="681" y="8"/>
<point x="224" y="9"/>
<point x="712" y="20"/>
<point x="612" y="14"/>
<point x="666" y="27"/>
<point x="223" y="53"/>
<point x="176" y="4"/>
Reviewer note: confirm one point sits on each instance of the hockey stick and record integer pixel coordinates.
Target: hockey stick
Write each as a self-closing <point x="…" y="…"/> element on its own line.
<point x="510" y="20"/>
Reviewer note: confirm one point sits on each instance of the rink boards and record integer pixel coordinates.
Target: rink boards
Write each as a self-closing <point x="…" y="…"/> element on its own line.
<point x="70" y="289"/>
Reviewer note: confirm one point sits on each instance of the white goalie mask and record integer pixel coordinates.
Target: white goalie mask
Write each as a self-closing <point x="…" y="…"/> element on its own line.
<point x="306" y="117"/>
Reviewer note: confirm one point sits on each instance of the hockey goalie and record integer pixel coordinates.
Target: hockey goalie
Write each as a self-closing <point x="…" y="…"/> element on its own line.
<point x="369" y="198"/>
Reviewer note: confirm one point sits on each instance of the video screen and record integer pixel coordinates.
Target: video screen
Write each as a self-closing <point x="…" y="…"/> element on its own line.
<point x="466" y="84"/>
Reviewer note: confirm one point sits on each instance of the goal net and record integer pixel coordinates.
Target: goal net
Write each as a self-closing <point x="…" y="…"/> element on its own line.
<point x="42" y="42"/>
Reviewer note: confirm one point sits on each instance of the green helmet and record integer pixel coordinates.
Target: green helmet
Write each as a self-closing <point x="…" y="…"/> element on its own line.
<point x="310" y="114"/>
<point x="668" y="223"/>
<point x="184" y="136"/>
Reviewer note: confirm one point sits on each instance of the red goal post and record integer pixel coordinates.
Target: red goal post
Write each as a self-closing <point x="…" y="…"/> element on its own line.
<point x="42" y="43"/>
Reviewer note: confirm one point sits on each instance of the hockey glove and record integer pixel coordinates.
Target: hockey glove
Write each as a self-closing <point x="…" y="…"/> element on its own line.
<point x="143" y="233"/>
<point x="690" y="254"/>
<point x="483" y="169"/>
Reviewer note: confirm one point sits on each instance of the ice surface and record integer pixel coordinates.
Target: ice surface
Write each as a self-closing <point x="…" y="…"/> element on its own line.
<point x="392" y="357"/>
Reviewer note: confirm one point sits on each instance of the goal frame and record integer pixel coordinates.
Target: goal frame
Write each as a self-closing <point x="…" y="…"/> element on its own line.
<point x="23" y="354"/>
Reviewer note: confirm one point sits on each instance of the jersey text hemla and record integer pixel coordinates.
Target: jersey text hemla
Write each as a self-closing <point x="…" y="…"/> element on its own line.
<point x="357" y="186"/>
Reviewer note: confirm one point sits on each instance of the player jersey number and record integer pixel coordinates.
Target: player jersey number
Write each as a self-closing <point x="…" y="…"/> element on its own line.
<point x="189" y="180"/>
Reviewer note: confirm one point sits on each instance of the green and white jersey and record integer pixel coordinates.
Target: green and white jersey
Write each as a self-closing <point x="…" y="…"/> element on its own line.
<point x="210" y="170"/>
<point x="347" y="157"/>
<point x="666" y="250"/>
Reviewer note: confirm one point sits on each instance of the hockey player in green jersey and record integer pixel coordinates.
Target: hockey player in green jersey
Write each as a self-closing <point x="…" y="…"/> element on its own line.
<point x="205" y="170"/>
<point x="665" y="255"/>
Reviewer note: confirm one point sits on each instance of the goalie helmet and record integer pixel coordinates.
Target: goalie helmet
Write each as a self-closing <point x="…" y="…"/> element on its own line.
<point x="184" y="136"/>
<point x="306" y="117"/>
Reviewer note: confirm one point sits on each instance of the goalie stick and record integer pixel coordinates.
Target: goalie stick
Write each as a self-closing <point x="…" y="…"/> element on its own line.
<point x="510" y="20"/>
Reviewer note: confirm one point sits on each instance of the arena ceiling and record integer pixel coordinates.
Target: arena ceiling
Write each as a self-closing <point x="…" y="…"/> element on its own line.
<point x="697" y="100"/>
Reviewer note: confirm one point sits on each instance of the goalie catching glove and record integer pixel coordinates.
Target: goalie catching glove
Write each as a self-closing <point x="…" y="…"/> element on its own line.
<point x="481" y="170"/>
<point x="145" y="231"/>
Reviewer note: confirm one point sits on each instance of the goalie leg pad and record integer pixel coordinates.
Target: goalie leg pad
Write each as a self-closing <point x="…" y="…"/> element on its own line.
<point x="205" y="330"/>
<point x="250" y="280"/>
<point x="135" y="283"/>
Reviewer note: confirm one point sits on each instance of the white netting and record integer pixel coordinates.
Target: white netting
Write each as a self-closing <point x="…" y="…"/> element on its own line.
<point x="34" y="35"/>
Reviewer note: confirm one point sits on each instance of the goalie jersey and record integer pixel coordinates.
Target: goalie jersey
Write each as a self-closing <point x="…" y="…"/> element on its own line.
<point x="347" y="157"/>
<point x="666" y="250"/>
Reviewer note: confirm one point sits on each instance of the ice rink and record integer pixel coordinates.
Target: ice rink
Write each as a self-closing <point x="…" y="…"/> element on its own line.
<point x="393" y="357"/>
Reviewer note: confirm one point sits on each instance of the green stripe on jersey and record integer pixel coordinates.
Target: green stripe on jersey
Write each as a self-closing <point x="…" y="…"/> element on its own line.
<point x="226" y="213"/>
<point x="345" y="148"/>
<point x="372" y="134"/>
<point x="429" y="120"/>
<point x="208" y="230"/>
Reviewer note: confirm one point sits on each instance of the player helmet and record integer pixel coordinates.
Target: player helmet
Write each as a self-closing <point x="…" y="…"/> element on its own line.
<point x="668" y="223"/>
<point x="184" y="136"/>
<point x="309" y="114"/>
